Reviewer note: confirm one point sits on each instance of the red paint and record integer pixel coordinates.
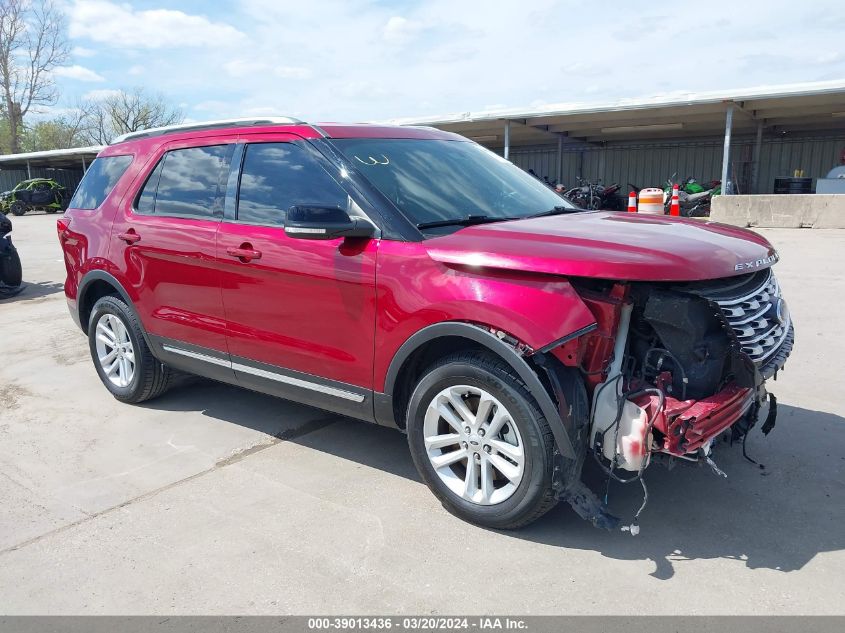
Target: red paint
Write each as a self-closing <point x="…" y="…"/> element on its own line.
<point x="606" y="245"/>
<point x="688" y="425"/>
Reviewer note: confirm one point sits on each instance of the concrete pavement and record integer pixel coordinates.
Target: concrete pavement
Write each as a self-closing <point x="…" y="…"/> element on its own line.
<point x="215" y="500"/>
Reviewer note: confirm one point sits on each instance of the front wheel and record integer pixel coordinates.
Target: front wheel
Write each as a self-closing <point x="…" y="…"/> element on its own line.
<point x="480" y="442"/>
<point x="18" y="208"/>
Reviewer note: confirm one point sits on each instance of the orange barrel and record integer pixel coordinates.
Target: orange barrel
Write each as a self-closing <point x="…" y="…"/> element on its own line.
<point x="651" y="201"/>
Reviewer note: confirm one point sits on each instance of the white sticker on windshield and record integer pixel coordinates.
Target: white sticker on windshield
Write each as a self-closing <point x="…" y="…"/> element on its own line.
<point x="371" y="162"/>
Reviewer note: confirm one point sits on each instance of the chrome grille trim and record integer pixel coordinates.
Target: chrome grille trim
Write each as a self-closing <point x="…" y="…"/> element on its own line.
<point x="758" y="332"/>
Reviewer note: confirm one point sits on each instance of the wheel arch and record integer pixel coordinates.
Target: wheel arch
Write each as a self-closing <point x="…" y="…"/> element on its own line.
<point x="95" y="285"/>
<point x="441" y="338"/>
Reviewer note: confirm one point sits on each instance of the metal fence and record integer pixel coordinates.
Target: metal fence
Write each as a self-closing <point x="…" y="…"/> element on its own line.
<point x="651" y="164"/>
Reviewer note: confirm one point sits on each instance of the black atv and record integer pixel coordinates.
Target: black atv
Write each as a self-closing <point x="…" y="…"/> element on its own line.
<point x="35" y="193"/>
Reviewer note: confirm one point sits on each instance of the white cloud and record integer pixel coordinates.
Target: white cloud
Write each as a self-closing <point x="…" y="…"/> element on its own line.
<point x="80" y="73"/>
<point x="400" y="30"/>
<point x="120" y="26"/>
<point x="81" y="51"/>
<point x="372" y="60"/>
<point x="241" y="68"/>
<point x="136" y="70"/>
<point x="102" y="93"/>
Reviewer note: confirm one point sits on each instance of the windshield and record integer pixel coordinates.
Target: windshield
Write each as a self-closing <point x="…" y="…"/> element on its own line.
<point x="433" y="181"/>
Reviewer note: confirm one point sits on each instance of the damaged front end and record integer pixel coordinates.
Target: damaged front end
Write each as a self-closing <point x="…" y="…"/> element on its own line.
<point x="669" y="368"/>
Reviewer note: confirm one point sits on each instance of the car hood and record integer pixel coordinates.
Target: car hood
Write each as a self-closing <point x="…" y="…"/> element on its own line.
<point x="608" y="245"/>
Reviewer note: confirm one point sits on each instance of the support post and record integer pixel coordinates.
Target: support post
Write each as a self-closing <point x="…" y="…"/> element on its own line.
<point x="726" y="153"/>
<point x="559" y="165"/>
<point x="84" y="167"/>
<point x="507" y="139"/>
<point x="755" y="168"/>
<point x="28" y="171"/>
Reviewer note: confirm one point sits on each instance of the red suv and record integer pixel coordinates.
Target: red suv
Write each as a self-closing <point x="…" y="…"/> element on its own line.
<point x="409" y="277"/>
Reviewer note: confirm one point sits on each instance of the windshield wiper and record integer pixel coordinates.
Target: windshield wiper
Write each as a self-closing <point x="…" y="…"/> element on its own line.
<point x="467" y="220"/>
<point x="553" y="211"/>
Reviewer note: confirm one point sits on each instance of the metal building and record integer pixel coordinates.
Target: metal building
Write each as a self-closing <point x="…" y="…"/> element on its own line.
<point x="65" y="166"/>
<point x="748" y="137"/>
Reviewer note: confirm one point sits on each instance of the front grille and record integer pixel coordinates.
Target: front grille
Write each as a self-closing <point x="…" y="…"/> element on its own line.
<point x="753" y="307"/>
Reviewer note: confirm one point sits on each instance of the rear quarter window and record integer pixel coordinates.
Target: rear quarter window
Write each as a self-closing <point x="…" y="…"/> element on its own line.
<point x="99" y="180"/>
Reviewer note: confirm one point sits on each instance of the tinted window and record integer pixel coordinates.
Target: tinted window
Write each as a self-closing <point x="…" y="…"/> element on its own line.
<point x="433" y="180"/>
<point x="147" y="199"/>
<point x="277" y="176"/>
<point x="190" y="182"/>
<point x="99" y="180"/>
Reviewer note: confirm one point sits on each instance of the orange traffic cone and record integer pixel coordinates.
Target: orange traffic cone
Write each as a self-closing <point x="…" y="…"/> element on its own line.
<point x="675" y="206"/>
<point x="632" y="202"/>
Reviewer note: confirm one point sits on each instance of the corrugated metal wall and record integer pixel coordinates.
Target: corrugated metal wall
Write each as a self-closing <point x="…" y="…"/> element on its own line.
<point x="651" y="164"/>
<point x="66" y="177"/>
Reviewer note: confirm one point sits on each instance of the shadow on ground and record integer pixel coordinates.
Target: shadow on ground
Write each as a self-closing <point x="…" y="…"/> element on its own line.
<point x="775" y="518"/>
<point x="27" y="291"/>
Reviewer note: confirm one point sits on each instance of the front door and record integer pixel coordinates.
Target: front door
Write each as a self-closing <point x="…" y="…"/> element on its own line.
<point x="300" y="313"/>
<point x="165" y="244"/>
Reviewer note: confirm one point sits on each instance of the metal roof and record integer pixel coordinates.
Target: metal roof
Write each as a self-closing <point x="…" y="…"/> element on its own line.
<point x="785" y="108"/>
<point x="71" y="157"/>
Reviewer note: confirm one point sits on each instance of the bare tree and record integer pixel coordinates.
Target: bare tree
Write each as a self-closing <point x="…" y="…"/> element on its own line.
<point x="32" y="44"/>
<point x="125" y="111"/>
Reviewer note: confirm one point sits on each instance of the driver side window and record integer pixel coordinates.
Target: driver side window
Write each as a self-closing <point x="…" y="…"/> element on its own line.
<point x="277" y="176"/>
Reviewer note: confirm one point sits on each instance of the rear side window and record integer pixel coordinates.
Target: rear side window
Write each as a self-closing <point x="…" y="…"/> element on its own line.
<point x="277" y="176"/>
<point x="99" y="180"/>
<point x="188" y="182"/>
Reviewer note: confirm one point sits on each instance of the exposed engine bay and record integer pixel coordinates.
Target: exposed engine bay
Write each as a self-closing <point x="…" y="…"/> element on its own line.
<point x="670" y="367"/>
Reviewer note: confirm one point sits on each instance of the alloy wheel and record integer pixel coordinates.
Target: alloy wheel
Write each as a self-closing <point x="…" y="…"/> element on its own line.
<point x="115" y="352"/>
<point x="473" y="445"/>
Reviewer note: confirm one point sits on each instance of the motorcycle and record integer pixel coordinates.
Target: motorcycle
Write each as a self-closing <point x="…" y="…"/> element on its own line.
<point x="693" y="198"/>
<point x="594" y="196"/>
<point x="11" y="273"/>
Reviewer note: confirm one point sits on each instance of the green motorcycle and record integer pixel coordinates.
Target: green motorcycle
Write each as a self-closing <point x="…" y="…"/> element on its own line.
<point x="694" y="199"/>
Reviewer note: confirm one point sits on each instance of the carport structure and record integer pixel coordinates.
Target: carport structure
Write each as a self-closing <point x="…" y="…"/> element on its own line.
<point x="65" y="166"/>
<point x="809" y="114"/>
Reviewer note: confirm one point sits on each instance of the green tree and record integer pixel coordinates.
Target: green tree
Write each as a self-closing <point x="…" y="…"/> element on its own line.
<point x="59" y="133"/>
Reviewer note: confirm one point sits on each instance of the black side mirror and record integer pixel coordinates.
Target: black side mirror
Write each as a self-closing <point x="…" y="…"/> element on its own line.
<point x="325" y="223"/>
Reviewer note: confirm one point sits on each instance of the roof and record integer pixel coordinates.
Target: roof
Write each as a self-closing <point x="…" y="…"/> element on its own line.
<point x="54" y="158"/>
<point x="785" y="108"/>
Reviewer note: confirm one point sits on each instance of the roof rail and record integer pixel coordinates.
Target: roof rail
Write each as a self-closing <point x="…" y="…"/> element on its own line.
<point x="206" y="125"/>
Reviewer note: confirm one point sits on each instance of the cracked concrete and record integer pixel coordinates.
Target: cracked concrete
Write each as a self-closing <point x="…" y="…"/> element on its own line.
<point x="216" y="500"/>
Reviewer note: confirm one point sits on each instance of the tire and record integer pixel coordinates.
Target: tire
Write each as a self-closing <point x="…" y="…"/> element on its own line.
<point x="51" y="210"/>
<point x="504" y="504"/>
<point x="148" y="378"/>
<point x="11" y="271"/>
<point x="18" y="208"/>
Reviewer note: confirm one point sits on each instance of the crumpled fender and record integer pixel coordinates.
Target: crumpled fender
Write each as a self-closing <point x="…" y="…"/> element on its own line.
<point x="414" y="292"/>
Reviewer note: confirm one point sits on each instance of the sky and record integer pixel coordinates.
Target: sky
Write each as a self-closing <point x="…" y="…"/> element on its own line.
<point x="364" y="60"/>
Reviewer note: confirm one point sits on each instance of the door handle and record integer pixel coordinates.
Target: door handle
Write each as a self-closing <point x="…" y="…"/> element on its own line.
<point x="130" y="237"/>
<point x="244" y="252"/>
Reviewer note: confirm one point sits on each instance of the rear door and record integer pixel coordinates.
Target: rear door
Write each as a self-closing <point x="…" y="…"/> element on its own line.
<point x="165" y="243"/>
<point x="300" y="313"/>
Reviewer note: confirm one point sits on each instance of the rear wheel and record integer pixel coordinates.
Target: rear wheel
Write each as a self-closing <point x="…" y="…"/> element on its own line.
<point x="123" y="361"/>
<point x="18" y="208"/>
<point x="480" y="442"/>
